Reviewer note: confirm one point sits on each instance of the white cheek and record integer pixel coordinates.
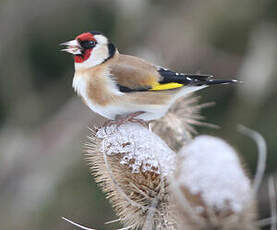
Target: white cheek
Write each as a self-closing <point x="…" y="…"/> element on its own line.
<point x="98" y="55"/>
<point x="101" y="39"/>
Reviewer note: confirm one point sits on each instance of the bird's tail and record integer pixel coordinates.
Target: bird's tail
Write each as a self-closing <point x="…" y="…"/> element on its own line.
<point x="201" y="80"/>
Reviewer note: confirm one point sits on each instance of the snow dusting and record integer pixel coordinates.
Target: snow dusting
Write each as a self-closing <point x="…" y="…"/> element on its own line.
<point x="140" y="148"/>
<point x="211" y="168"/>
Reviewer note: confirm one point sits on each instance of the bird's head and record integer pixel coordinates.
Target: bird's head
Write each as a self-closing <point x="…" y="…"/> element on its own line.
<point x="90" y="49"/>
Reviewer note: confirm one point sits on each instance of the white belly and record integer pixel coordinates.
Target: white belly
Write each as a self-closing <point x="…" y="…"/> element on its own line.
<point x="152" y="112"/>
<point x="110" y="112"/>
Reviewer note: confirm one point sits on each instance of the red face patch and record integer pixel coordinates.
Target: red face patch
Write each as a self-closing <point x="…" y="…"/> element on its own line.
<point x="86" y="52"/>
<point x="85" y="36"/>
<point x="83" y="57"/>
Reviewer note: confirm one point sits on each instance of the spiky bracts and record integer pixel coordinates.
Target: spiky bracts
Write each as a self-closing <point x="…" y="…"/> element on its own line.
<point x="203" y="187"/>
<point x="132" y="164"/>
<point x="176" y="127"/>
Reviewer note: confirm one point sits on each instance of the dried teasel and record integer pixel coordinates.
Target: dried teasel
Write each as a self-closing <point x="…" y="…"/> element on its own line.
<point x="211" y="189"/>
<point x="132" y="164"/>
<point x="204" y="187"/>
<point x="176" y="127"/>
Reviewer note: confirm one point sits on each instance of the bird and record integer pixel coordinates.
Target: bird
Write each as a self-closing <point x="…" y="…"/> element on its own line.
<point x="125" y="87"/>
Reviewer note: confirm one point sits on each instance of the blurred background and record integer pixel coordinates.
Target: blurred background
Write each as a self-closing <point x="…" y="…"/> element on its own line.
<point x="43" y="174"/>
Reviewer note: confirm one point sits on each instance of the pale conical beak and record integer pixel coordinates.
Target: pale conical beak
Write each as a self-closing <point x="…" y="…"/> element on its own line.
<point x="72" y="47"/>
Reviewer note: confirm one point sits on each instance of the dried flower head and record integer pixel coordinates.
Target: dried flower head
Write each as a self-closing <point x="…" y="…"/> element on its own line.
<point x="211" y="188"/>
<point x="176" y="127"/>
<point x="131" y="164"/>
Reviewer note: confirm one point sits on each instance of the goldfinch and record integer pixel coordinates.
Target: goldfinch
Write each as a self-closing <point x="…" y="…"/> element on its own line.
<point x="112" y="84"/>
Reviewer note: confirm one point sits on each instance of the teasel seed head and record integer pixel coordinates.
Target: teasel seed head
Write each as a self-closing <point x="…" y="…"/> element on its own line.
<point x="177" y="127"/>
<point x="132" y="164"/>
<point x="211" y="189"/>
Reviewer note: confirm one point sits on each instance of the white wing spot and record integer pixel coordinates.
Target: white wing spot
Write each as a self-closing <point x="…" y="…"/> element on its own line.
<point x="162" y="68"/>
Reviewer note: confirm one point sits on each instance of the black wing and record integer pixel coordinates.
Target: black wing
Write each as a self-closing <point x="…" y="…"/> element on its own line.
<point x="169" y="76"/>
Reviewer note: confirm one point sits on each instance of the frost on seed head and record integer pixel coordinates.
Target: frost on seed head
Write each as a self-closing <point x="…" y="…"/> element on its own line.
<point x="203" y="187"/>
<point x="131" y="164"/>
<point x="212" y="168"/>
<point x="212" y="187"/>
<point x="141" y="149"/>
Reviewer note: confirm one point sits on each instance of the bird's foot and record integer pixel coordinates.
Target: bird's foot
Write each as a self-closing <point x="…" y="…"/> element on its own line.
<point x="139" y="121"/>
<point x="120" y="120"/>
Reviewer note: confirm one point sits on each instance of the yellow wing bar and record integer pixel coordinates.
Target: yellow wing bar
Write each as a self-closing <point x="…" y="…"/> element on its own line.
<point x="171" y="85"/>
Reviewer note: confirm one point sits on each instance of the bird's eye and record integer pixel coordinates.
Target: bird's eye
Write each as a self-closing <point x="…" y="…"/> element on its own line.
<point x="92" y="43"/>
<point x="88" y="44"/>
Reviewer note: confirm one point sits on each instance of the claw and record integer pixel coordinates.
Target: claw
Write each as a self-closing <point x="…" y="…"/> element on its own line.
<point x="120" y="120"/>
